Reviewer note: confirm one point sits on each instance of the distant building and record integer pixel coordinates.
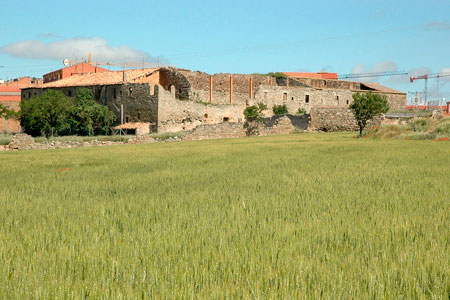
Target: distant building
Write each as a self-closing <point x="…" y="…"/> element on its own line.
<point x="10" y="96"/>
<point x="66" y="72"/>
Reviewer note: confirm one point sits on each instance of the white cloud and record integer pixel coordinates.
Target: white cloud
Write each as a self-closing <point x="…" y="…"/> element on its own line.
<point x="411" y="73"/>
<point x="439" y="25"/>
<point x="384" y="66"/>
<point x="74" y="48"/>
<point x="48" y="35"/>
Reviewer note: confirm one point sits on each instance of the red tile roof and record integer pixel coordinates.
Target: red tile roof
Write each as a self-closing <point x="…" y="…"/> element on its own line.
<point x="320" y="75"/>
<point x="104" y="78"/>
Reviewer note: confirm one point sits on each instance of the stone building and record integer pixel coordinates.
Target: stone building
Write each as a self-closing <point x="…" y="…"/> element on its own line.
<point x="173" y="99"/>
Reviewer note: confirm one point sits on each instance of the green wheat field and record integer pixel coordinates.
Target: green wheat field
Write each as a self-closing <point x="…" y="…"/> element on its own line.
<point x="302" y="216"/>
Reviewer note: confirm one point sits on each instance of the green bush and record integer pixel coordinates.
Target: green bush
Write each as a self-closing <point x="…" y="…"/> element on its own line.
<point x="280" y="109"/>
<point x="301" y="111"/>
<point x="277" y="75"/>
<point x="254" y="112"/>
<point x="54" y="113"/>
<point x="421" y="125"/>
<point x="443" y="129"/>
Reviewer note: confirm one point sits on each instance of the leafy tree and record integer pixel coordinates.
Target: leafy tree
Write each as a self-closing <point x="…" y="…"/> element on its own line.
<point x="7" y="114"/>
<point x="254" y="112"/>
<point x="367" y="106"/>
<point x="280" y="109"/>
<point x="87" y="117"/>
<point x="53" y="112"/>
<point x="46" y="113"/>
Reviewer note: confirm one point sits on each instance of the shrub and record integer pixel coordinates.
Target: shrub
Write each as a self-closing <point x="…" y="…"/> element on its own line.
<point x="443" y="129"/>
<point x="254" y="112"/>
<point x="280" y="109"/>
<point x="420" y="125"/>
<point x="277" y="75"/>
<point x="301" y="111"/>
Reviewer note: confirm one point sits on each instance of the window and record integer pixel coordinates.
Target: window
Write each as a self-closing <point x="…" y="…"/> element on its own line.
<point x="69" y="93"/>
<point x="306" y="98"/>
<point x="337" y="100"/>
<point x="139" y="115"/>
<point x="130" y="91"/>
<point x="292" y="98"/>
<point x="348" y="102"/>
<point x="284" y="96"/>
<point x="226" y="119"/>
<point x="126" y="119"/>
<point x="115" y="93"/>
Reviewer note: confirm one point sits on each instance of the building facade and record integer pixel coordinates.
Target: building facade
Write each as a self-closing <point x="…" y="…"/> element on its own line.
<point x="173" y="99"/>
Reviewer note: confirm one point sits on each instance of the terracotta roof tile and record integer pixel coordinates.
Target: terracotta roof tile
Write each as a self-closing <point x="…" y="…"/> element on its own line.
<point x="323" y="75"/>
<point x="104" y="78"/>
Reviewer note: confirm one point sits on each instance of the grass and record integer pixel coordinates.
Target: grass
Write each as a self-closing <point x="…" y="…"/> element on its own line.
<point x="418" y="129"/>
<point x="307" y="216"/>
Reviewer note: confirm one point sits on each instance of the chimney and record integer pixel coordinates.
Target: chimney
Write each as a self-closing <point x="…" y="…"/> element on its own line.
<point x="124" y="76"/>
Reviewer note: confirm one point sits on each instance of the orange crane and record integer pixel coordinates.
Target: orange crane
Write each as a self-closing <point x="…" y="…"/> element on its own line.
<point x="426" y="77"/>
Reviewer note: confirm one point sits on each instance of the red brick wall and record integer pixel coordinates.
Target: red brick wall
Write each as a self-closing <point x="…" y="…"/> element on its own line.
<point x="69" y="71"/>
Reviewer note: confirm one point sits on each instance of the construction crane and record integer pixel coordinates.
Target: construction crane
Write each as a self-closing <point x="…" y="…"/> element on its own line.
<point x="372" y="74"/>
<point x="142" y="64"/>
<point x="426" y="77"/>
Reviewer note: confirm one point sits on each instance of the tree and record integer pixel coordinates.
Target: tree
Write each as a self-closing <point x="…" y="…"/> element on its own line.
<point x="87" y="117"/>
<point x="7" y="114"/>
<point x="46" y="113"/>
<point x="367" y="106"/>
<point x="254" y="112"/>
<point x="53" y="112"/>
<point x="280" y="109"/>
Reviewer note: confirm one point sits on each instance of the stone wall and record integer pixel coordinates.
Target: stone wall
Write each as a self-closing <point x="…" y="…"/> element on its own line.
<point x="332" y="119"/>
<point x="300" y="122"/>
<point x="177" y="115"/>
<point x="337" y="119"/>
<point x="217" y="131"/>
<point x="282" y="125"/>
<point x="295" y="98"/>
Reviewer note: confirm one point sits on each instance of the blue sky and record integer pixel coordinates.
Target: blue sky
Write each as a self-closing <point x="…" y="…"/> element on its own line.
<point x="233" y="36"/>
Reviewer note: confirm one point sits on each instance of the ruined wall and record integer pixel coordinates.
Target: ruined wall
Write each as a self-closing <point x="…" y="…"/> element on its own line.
<point x="332" y="119"/>
<point x="337" y="119"/>
<point x="217" y="131"/>
<point x="330" y="83"/>
<point x="196" y="85"/>
<point x="177" y="115"/>
<point x="295" y="98"/>
<point x="396" y="101"/>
